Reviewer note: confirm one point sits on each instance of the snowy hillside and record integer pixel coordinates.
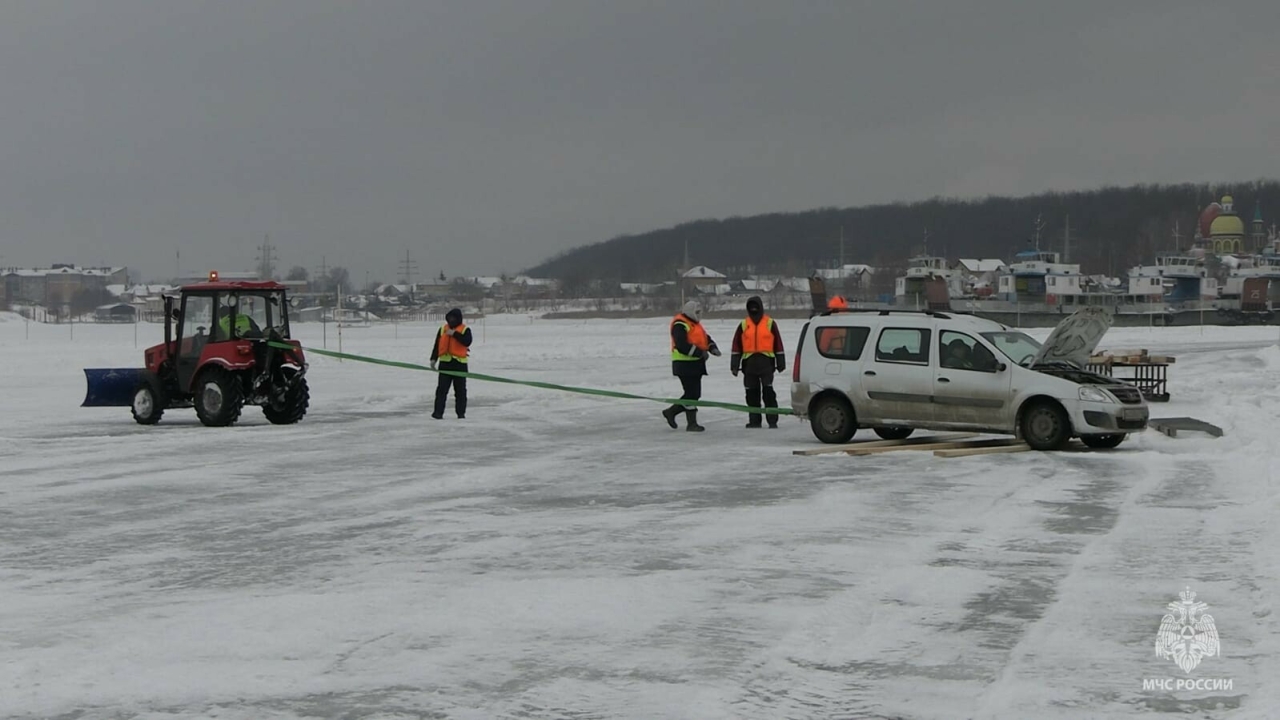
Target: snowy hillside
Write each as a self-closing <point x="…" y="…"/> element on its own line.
<point x="567" y="556"/>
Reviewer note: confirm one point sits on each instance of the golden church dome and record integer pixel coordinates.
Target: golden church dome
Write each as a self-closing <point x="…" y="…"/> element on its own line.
<point x="1226" y="225"/>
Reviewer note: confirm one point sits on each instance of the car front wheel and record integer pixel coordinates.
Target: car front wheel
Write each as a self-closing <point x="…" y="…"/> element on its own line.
<point x="1045" y="426"/>
<point x="832" y="419"/>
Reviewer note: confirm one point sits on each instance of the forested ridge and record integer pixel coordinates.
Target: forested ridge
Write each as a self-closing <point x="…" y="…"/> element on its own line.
<point x="1111" y="229"/>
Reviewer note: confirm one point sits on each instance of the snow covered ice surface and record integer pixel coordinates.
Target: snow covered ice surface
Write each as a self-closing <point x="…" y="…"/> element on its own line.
<point x="566" y="556"/>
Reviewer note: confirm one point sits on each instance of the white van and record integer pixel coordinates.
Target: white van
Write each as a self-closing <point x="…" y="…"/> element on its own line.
<point x="896" y="371"/>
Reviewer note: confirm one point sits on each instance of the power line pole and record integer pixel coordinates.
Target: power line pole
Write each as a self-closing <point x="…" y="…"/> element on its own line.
<point x="408" y="268"/>
<point x="842" y="247"/>
<point x="266" y="259"/>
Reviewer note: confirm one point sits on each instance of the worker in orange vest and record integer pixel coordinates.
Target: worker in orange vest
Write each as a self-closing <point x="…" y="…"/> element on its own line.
<point x="832" y="340"/>
<point x="451" y="351"/>
<point x="690" y="347"/>
<point x="758" y="353"/>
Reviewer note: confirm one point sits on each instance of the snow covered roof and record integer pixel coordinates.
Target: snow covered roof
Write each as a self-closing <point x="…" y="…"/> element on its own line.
<point x="758" y="285"/>
<point x="981" y="266"/>
<point x="845" y="271"/>
<point x="141" y="290"/>
<point x="721" y="289"/>
<point x="702" y="271"/>
<point x="485" y="281"/>
<point x="526" y="280"/>
<point x="388" y="288"/>
<point x="795" y="284"/>
<point x="640" y="287"/>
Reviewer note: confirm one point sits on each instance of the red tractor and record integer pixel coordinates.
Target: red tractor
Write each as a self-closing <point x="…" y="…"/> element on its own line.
<point x="221" y="352"/>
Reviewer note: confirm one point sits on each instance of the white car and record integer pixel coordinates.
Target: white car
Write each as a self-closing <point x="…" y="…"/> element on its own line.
<point x="897" y="371"/>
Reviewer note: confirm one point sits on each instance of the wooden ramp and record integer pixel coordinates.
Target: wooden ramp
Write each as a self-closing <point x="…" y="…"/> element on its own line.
<point x="1171" y="426"/>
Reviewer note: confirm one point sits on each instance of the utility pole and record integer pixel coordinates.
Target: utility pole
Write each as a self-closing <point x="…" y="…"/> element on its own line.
<point x="408" y="267"/>
<point x="1177" y="238"/>
<point x="322" y="274"/>
<point x="266" y="259"/>
<point x="841" y="247"/>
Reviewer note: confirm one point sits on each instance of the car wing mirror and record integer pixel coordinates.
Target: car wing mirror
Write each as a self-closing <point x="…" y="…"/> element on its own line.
<point x="1002" y="367"/>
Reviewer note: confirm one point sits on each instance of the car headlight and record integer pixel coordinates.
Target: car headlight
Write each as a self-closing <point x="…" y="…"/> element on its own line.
<point x="1093" y="394"/>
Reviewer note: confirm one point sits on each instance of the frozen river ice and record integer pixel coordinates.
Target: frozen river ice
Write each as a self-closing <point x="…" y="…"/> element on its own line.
<point x="561" y="556"/>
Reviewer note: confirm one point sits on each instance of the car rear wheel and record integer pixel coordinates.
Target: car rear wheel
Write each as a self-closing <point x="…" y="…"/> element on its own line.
<point x="1103" y="442"/>
<point x="1045" y="426"/>
<point x="894" y="433"/>
<point x="832" y="419"/>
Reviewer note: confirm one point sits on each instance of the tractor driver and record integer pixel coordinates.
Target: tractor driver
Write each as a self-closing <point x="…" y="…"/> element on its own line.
<point x="245" y="326"/>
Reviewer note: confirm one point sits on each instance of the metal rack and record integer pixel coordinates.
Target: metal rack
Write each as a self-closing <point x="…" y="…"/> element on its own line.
<point x="1149" y="377"/>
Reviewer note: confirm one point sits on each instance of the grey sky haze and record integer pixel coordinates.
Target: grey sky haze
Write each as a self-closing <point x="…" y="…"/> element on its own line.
<point x="485" y="136"/>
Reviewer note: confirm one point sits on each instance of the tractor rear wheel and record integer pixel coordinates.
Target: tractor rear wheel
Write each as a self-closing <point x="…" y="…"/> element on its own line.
<point x="292" y="406"/>
<point x="148" y="403"/>
<point x="218" y="397"/>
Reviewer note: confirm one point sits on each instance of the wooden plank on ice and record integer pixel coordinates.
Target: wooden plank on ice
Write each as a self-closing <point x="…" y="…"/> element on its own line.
<point x="966" y="452"/>
<point x="858" y="444"/>
<point x="933" y="446"/>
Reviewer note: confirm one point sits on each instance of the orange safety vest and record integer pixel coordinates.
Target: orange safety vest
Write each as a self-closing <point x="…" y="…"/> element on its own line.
<point x="697" y="337"/>
<point x="833" y="340"/>
<point x="448" y="347"/>
<point x="757" y="338"/>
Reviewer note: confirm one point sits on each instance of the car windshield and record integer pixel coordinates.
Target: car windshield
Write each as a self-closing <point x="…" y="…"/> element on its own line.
<point x="1018" y="347"/>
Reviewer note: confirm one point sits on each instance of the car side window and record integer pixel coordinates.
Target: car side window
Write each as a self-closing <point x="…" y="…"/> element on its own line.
<point x="903" y="345"/>
<point x="841" y="342"/>
<point x="957" y="351"/>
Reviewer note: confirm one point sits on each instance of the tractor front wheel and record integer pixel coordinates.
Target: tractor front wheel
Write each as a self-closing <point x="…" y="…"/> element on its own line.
<point x="289" y="408"/>
<point x="218" y="397"/>
<point x="148" y="403"/>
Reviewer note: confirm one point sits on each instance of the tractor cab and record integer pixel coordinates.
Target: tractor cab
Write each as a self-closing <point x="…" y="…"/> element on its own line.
<point x="226" y="345"/>
<point x="226" y="321"/>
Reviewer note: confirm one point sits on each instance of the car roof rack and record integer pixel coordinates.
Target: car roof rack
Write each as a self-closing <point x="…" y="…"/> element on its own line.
<point x="880" y="311"/>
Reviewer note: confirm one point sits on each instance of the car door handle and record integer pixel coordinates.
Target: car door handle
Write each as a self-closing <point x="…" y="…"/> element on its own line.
<point x="870" y="372"/>
<point x="944" y="379"/>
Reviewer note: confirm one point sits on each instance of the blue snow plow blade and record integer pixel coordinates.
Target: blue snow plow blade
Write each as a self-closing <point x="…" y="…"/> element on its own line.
<point x="111" y="387"/>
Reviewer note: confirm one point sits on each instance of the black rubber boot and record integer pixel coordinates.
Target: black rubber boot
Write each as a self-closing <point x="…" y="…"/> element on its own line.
<point x="753" y="420"/>
<point x="671" y="413"/>
<point x="692" y="416"/>
<point x="772" y="420"/>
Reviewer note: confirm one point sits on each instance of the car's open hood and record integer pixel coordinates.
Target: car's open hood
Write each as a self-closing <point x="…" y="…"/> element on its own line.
<point x="1076" y="337"/>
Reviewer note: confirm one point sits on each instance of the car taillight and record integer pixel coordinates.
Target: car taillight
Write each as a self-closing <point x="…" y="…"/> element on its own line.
<point x="795" y="366"/>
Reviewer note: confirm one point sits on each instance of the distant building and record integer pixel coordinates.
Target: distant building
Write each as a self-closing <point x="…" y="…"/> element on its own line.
<point x="703" y="276"/>
<point x="57" y="285"/>
<point x="116" y="312"/>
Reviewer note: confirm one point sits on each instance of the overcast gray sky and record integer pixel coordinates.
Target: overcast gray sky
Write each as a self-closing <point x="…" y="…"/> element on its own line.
<point x="485" y="136"/>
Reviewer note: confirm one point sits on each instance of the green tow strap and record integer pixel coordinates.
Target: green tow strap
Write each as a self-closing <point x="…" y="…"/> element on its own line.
<point x="535" y="384"/>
